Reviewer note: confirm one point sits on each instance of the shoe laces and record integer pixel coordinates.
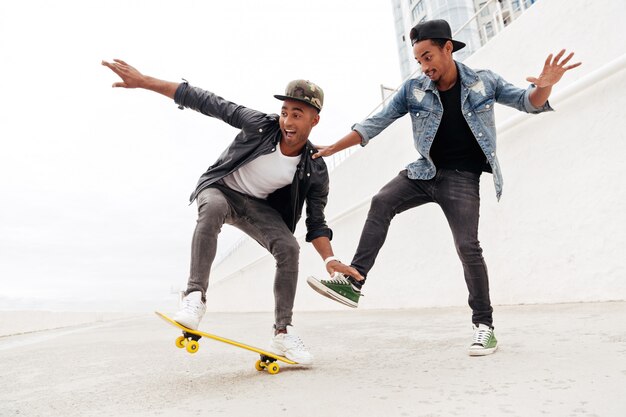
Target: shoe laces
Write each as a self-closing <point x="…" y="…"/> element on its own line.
<point x="337" y="281"/>
<point x="191" y="306"/>
<point x="294" y="341"/>
<point x="481" y="336"/>
<point x="338" y="278"/>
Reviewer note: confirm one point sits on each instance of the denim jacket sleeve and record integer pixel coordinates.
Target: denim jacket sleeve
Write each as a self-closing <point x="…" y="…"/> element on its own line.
<point x="213" y="105"/>
<point x="396" y="108"/>
<point x="512" y="96"/>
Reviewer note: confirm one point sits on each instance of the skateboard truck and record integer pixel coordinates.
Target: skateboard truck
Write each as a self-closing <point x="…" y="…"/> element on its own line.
<point x="189" y="341"/>
<point x="268" y="363"/>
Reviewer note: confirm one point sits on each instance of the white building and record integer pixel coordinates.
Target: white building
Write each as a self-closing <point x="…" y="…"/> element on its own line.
<point x="494" y="15"/>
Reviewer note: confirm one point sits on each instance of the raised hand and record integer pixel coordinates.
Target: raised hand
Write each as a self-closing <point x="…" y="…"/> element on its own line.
<point x="131" y="78"/>
<point x="553" y="70"/>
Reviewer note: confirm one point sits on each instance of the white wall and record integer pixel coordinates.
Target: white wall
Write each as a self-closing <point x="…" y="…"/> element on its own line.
<point x="558" y="233"/>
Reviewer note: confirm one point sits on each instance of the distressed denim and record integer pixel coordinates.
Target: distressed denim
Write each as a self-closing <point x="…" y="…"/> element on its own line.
<point x="457" y="193"/>
<point x="219" y="205"/>
<point x="419" y="97"/>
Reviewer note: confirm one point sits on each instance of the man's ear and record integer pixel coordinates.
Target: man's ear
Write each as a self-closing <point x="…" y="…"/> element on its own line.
<point x="448" y="46"/>
<point x="316" y="120"/>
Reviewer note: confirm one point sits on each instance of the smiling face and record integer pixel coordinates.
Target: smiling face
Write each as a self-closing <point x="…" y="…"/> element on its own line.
<point x="297" y="119"/>
<point x="435" y="61"/>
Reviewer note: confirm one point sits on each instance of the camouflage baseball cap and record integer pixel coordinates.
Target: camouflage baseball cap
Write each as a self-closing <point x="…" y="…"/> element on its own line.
<point x="305" y="91"/>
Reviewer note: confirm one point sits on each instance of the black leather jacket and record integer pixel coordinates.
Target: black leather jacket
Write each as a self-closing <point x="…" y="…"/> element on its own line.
<point x="260" y="134"/>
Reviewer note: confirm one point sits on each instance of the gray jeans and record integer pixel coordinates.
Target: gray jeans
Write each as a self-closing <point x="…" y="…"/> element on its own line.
<point x="457" y="193"/>
<point x="219" y="205"/>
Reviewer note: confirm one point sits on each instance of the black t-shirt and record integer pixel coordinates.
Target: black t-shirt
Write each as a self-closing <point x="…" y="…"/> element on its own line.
<point x="455" y="146"/>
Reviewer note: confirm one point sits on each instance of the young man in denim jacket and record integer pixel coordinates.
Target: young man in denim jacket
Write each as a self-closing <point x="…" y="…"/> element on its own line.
<point x="259" y="184"/>
<point x="451" y="107"/>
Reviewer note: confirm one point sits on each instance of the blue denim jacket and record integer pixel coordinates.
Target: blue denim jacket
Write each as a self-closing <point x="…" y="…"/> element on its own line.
<point x="480" y="90"/>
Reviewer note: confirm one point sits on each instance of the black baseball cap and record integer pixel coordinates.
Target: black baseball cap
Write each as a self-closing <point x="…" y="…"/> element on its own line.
<point x="434" y="29"/>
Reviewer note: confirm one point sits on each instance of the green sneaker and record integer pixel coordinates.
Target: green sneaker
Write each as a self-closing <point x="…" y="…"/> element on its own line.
<point x="338" y="288"/>
<point x="485" y="342"/>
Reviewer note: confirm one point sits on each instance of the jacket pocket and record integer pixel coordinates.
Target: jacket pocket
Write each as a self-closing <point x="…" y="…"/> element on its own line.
<point x="419" y="117"/>
<point x="484" y="111"/>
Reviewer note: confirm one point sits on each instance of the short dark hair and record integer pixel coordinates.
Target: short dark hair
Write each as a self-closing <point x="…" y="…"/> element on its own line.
<point x="440" y="42"/>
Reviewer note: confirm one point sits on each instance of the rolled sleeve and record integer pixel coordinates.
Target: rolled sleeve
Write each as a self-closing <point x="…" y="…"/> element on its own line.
<point x="530" y="108"/>
<point x="372" y="126"/>
<point x="180" y="93"/>
<point x="358" y="128"/>
<point x="325" y="232"/>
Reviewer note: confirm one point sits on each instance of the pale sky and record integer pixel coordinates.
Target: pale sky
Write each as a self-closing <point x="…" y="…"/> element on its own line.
<point x="95" y="181"/>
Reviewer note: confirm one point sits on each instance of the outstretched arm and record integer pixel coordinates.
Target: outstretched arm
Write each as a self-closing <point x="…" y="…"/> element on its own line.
<point x="132" y="78"/>
<point x="351" y="139"/>
<point x="552" y="72"/>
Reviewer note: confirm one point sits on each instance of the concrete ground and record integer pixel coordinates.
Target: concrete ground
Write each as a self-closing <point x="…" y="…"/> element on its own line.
<point x="554" y="360"/>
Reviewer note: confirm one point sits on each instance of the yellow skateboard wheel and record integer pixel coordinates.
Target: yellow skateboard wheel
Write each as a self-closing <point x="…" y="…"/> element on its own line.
<point x="192" y="346"/>
<point x="273" y="368"/>
<point x="259" y="365"/>
<point x="180" y="342"/>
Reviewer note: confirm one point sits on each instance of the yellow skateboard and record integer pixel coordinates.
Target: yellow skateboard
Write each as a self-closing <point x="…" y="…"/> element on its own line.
<point x="189" y="341"/>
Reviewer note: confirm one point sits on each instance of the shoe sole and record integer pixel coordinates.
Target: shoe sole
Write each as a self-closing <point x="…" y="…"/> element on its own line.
<point x="299" y="361"/>
<point x="483" y="352"/>
<point x="188" y="324"/>
<point x="326" y="292"/>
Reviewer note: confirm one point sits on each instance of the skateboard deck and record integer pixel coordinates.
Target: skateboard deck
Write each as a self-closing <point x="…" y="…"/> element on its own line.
<point x="189" y="341"/>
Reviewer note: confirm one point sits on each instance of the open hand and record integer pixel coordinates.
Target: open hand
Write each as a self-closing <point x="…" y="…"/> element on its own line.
<point x="322" y="151"/>
<point x="131" y="78"/>
<point x="553" y="70"/>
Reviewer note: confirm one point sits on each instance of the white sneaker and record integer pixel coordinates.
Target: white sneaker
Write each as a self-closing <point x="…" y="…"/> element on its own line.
<point x="291" y="346"/>
<point x="191" y="311"/>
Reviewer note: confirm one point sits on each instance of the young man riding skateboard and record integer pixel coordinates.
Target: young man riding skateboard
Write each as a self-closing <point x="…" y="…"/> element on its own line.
<point x="451" y="108"/>
<point x="259" y="184"/>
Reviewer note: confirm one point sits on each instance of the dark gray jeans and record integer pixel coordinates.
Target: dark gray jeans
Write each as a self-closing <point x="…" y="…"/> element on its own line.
<point x="218" y="205"/>
<point x="457" y="193"/>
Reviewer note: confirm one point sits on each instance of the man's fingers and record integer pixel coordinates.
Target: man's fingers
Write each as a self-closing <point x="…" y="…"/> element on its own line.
<point x="566" y="60"/>
<point x="532" y="80"/>
<point x="569" y="67"/>
<point x="113" y="67"/>
<point x="120" y="84"/>
<point x="355" y="274"/>
<point x="120" y="61"/>
<point x="110" y="65"/>
<point x="548" y="60"/>
<point x="558" y="56"/>
<point x="321" y="151"/>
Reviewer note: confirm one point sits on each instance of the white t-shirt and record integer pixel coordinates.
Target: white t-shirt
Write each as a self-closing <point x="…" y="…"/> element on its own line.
<point x="264" y="175"/>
